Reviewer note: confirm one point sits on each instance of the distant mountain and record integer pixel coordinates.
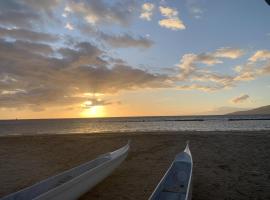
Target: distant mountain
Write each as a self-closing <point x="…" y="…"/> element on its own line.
<point x="264" y="110"/>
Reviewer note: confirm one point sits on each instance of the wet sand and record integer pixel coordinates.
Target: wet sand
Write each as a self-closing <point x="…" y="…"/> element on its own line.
<point x="227" y="165"/>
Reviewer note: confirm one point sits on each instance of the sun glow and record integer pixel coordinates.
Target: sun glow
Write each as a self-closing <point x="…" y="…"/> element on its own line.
<point x="94" y="111"/>
<point x="90" y="110"/>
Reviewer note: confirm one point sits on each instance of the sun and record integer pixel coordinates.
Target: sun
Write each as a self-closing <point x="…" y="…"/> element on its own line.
<point x="91" y="110"/>
<point x="94" y="111"/>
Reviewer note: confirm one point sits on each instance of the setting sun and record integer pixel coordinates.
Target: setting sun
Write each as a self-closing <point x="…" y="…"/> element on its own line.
<point x="93" y="111"/>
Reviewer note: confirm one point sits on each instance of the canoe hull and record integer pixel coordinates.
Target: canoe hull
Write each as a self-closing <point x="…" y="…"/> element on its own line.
<point x="176" y="183"/>
<point x="73" y="183"/>
<point x="77" y="188"/>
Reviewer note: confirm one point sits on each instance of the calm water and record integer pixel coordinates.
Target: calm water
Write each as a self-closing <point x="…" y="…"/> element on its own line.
<point x="135" y="124"/>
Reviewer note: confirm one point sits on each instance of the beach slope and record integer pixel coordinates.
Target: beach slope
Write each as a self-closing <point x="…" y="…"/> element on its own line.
<point x="227" y="165"/>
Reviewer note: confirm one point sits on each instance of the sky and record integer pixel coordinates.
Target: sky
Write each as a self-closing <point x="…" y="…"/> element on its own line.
<point x="112" y="58"/>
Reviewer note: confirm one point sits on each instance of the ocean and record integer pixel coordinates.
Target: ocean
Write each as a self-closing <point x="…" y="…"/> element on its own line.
<point x="134" y="124"/>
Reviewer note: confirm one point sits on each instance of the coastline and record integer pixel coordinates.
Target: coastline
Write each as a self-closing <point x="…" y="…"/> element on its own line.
<point x="232" y="165"/>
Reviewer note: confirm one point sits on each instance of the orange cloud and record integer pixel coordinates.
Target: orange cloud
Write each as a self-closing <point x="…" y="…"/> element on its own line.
<point x="171" y="21"/>
<point x="147" y="11"/>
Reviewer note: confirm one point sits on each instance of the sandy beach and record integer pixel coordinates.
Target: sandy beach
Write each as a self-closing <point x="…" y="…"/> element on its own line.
<point x="227" y="165"/>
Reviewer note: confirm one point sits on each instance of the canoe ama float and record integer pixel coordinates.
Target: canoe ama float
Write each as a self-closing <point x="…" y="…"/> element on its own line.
<point x="71" y="184"/>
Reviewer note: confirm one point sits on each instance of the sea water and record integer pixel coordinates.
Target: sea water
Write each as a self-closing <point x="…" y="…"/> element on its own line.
<point x="135" y="124"/>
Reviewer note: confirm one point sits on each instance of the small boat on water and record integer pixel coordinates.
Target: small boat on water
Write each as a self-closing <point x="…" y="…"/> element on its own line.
<point x="176" y="183"/>
<point x="71" y="184"/>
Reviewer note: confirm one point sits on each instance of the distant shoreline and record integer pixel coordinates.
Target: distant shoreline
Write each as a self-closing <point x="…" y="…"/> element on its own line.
<point x="157" y="118"/>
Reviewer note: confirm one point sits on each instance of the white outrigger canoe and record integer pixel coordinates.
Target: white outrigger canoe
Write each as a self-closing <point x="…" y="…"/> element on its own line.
<point x="176" y="183"/>
<point x="71" y="184"/>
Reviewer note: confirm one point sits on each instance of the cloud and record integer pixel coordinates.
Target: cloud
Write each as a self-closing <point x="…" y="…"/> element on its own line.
<point x="94" y="14"/>
<point x="246" y="72"/>
<point x="46" y="6"/>
<point x="91" y="102"/>
<point x="23" y="48"/>
<point x="227" y="52"/>
<point x="194" y="8"/>
<point x="171" y="20"/>
<point x="201" y="77"/>
<point x="168" y="12"/>
<point x="224" y="81"/>
<point x="147" y="11"/>
<point x="187" y="65"/>
<point x="126" y="40"/>
<point x="26" y="13"/>
<point x="39" y="70"/>
<point x="194" y="86"/>
<point x="117" y="41"/>
<point x="31" y="76"/>
<point x="14" y="13"/>
<point x="240" y="99"/>
<point x="69" y="26"/>
<point x="260" y="55"/>
<point x="208" y="59"/>
<point x="172" y="23"/>
<point x="35" y="75"/>
<point x="245" y="76"/>
<point x="237" y="68"/>
<point x="257" y="65"/>
<point x="189" y="62"/>
<point x="24" y="34"/>
<point x="265" y="70"/>
<point x="213" y="58"/>
<point x="98" y="12"/>
<point x="196" y="12"/>
<point x="196" y="70"/>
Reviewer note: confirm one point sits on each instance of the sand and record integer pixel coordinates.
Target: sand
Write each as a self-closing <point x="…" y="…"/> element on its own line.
<point x="227" y="165"/>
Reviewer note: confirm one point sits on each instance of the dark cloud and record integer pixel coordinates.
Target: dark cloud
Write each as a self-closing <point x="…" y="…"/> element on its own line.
<point x="31" y="76"/>
<point x="24" y="34"/>
<point x="96" y="102"/>
<point x="240" y="99"/>
<point x="25" y="13"/>
<point x="36" y="48"/>
<point x="15" y="13"/>
<point x="126" y="40"/>
<point x="28" y="15"/>
<point x="94" y="14"/>
<point x="117" y="41"/>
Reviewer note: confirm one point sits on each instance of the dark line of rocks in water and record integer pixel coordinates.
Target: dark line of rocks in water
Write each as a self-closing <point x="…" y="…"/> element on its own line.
<point x="187" y="120"/>
<point x="183" y="120"/>
<point x="238" y="118"/>
<point x="248" y="119"/>
<point x="160" y="120"/>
